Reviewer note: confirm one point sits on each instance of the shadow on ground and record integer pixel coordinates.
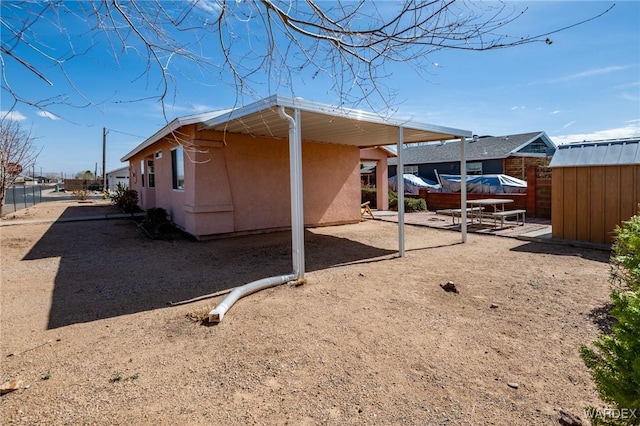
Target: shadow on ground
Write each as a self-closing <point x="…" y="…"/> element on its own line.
<point x="564" y="250"/>
<point x="110" y="268"/>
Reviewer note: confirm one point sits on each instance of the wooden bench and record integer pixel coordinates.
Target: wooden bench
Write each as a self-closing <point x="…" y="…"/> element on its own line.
<point x="506" y="213"/>
<point x="457" y="213"/>
<point x="365" y="209"/>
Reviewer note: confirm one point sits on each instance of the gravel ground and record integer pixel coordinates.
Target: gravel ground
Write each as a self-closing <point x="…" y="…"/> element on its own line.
<point x="369" y="339"/>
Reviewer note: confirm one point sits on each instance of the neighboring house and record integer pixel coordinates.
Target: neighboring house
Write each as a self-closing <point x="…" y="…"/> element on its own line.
<point x="23" y="179"/>
<point x="229" y="171"/>
<point x="595" y="187"/>
<point x="509" y="155"/>
<point x="117" y="176"/>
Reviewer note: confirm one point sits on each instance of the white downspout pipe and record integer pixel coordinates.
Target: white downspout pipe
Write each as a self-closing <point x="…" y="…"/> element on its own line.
<point x="400" y="185"/>
<point x="297" y="225"/>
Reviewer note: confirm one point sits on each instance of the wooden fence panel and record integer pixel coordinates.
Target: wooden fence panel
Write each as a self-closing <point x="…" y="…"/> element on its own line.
<point x="570" y="199"/>
<point x="597" y="206"/>
<point x="611" y="201"/>
<point x="557" y="204"/>
<point x="583" y="188"/>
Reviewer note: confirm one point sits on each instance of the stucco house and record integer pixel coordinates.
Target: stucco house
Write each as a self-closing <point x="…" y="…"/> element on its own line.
<point x="509" y="155"/>
<point x="230" y="171"/>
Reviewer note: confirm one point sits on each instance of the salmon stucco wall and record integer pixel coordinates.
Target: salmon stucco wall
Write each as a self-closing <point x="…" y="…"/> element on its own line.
<point x="239" y="183"/>
<point x="258" y="170"/>
<point x="380" y="156"/>
<point x="162" y="194"/>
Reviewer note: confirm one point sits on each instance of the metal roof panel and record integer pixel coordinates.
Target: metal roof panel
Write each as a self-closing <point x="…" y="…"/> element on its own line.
<point x="599" y="153"/>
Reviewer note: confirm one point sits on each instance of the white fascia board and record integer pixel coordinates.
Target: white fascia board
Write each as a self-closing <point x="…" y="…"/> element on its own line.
<point x="171" y="127"/>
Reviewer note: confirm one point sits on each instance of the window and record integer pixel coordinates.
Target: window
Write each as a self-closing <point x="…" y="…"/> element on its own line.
<point x="142" y="172"/>
<point x="151" y="177"/>
<point x="158" y="155"/>
<point x="474" y="168"/>
<point x="177" y="168"/>
<point x="411" y="170"/>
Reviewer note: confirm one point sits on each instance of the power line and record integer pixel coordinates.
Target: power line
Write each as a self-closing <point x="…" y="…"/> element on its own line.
<point x="128" y="134"/>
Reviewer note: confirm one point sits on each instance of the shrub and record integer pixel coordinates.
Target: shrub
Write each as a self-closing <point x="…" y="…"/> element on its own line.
<point x="129" y="201"/>
<point x="126" y="199"/>
<point x="615" y="360"/>
<point x="369" y="194"/>
<point x="410" y="204"/>
<point x="81" y="194"/>
<point x="155" y="219"/>
<point x="117" y="194"/>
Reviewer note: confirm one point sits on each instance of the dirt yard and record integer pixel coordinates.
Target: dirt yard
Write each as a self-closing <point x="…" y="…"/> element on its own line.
<point x="370" y="339"/>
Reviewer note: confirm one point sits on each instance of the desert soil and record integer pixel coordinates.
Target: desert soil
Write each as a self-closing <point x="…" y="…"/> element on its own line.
<point x="371" y="338"/>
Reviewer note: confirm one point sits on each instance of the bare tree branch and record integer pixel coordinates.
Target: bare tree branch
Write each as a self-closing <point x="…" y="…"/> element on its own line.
<point x="248" y="45"/>
<point x="17" y="153"/>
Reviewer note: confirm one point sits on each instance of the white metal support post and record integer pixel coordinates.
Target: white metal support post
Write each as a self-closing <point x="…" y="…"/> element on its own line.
<point x="463" y="191"/>
<point x="400" y="180"/>
<point x="297" y="206"/>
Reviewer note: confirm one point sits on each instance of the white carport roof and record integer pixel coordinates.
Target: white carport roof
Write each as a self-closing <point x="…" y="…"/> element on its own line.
<point x="296" y="119"/>
<point x="326" y="124"/>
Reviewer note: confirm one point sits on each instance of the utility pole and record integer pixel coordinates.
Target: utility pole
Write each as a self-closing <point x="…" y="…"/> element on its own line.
<point x="104" y="151"/>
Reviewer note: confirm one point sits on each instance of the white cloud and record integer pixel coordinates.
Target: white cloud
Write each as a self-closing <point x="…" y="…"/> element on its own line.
<point x="514" y="108"/>
<point x="630" y="97"/>
<point x="632" y="129"/>
<point x="555" y="112"/>
<point x="12" y="115"/>
<point x="569" y="124"/>
<point x="210" y="6"/>
<point x="589" y="73"/>
<point x="47" y="114"/>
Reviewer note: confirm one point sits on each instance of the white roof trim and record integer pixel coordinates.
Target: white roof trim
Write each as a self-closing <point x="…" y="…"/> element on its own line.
<point x="542" y="135"/>
<point x="320" y="123"/>
<point x="171" y="127"/>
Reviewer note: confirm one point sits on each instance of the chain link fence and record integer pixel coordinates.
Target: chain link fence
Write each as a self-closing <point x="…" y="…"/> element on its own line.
<point x="21" y="196"/>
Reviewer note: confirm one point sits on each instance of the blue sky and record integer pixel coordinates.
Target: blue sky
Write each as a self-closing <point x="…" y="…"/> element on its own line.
<point x="583" y="86"/>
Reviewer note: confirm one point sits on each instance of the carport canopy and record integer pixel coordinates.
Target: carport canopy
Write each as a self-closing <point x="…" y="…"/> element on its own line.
<point x="297" y="119"/>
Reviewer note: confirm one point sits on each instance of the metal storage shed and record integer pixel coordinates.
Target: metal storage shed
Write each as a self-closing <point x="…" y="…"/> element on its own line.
<point x="595" y="187"/>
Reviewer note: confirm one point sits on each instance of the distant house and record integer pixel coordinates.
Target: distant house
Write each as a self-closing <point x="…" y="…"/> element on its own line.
<point x="510" y="155"/>
<point x="229" y="172"/>
<point x="595" y="187"/>
<point x="117" y="176"/>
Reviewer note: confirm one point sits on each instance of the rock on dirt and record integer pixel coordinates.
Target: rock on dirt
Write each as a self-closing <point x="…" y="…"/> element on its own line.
<point x="449" y="287"/>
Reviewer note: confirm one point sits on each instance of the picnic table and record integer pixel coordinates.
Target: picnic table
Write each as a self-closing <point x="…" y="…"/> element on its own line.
<point x="497" y="210"/>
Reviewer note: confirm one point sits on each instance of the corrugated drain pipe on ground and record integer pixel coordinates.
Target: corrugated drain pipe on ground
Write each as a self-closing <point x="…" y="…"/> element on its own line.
<point x="218" y="312"/>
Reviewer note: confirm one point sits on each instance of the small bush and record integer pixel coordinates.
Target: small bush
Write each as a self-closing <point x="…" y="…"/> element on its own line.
<point x="410" y="204"/>
<point x="118" y="193"/>
<point x="369" y="194"/>
<point x="615" y="360"/>
<point x="81" y="194"/>
<point x="126" y="199"/>
<point x="129" y="201"/>
<point x="156" y="219"/>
